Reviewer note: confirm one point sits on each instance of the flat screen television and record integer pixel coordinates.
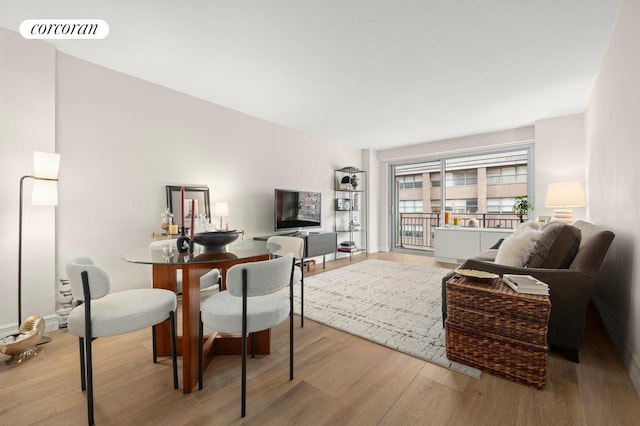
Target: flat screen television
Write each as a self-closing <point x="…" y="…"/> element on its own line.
<point x="295" y="210"/>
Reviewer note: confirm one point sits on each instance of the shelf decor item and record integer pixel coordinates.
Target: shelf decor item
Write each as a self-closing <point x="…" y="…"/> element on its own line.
<point x="345" y="183"/>
<point x="355" y="180"/>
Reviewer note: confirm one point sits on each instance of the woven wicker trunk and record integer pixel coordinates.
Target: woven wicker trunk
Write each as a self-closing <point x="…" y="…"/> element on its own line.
<point x="491" y="327"/>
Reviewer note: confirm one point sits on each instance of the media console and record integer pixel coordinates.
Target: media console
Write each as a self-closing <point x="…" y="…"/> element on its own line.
<point x="315" y="243"/>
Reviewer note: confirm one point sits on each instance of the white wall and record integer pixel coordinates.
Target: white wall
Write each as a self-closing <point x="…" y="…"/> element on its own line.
<point x="122" y="140"/>
<point x="560" y="156"/>
<point x="27" y="124"/>
<point x="613" y="175"/>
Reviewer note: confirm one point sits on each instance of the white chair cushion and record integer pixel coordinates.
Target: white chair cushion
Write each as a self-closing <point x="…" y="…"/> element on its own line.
<point x="283" y="245"/>
<point x="98" y="279"/>
<point x="124" y="312"/>
<point x="265" y="277"/>
<point x="207" y="281"/>
<point x="223" y="312"/>
<point x="297" y="274"/>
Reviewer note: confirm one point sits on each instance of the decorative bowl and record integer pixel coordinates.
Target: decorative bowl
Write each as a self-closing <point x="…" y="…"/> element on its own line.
<point x="30" y="333"/>
<point x="215" y="241"/>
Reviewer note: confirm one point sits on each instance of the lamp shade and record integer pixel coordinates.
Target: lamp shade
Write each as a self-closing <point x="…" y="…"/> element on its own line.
<point x="44" y="193"/>
<point x="46" y="165"/>
<point x="221" y="209"/>
<point x="45" y="175"/>
<point x="565" y="194"/>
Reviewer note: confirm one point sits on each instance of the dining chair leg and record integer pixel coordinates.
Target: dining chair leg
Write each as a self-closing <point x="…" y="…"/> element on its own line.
<point x="200" y="353"/>
<point x="154" y="346"/>
<point x="89" y="360"/>
<point x="83" y="365"/>
<point x="243" y="408"/>
<point x="88" y="339"/>
<point x="291" y="349"/>
<point x="174" y="348"/>
<point x="302" y="297"/>
<point x="291" y="333"/>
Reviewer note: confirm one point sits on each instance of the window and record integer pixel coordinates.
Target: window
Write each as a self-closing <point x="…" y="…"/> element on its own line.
<point x="459" y="183"/>
<point x="462" y="206"/>
<point x="462" y="177"/>
<point x="507" y="174"/>
<point x="410" y="181"/>
<point x="500" y="205"/>
<point x="410" y="206"/>
<point x="435" y="180"/>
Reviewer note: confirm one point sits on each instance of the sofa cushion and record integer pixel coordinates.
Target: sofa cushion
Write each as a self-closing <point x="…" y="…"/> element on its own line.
<point x="516" y="249"/>
<point x="557" y="246"/>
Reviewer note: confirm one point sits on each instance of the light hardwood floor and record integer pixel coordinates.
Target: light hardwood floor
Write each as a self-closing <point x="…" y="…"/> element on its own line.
<point x="339" y="380"/>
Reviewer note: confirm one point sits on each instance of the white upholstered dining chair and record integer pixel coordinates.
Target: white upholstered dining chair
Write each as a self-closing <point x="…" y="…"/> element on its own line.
<point x="259" y="296"/>
<point x="103" y="314"/>
<point x="282" y="245"/>
<point x="207" y="282"/>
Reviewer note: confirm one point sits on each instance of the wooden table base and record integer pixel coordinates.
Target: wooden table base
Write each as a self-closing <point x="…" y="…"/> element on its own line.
<point x="164" y="276"/>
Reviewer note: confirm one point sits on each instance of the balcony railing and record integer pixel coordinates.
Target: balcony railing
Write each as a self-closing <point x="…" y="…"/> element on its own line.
<point x="416" y="229"/>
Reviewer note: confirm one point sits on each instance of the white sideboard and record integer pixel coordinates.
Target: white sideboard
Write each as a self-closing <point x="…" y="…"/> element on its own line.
<point x="455" y="245"/>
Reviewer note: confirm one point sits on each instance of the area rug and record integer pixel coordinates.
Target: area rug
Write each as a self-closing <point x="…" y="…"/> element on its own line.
<point x="390" y="303"/>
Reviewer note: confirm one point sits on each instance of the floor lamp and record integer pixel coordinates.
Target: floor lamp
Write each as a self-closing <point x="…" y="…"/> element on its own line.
<point x="44" y="193"/>
<point x="23" y="345"/>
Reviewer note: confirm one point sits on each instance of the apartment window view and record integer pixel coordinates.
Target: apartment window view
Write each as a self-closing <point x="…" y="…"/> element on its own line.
<point x="482" y="187"/>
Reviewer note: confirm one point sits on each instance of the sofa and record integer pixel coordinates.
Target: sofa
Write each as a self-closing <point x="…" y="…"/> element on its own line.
<point x="568" y="261"/>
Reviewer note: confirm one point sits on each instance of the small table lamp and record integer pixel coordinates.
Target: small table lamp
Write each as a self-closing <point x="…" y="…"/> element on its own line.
<point x="562" y="196"/>
<point x="221" y="209"/>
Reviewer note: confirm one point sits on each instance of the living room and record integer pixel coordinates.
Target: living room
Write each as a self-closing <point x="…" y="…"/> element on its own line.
<point x="122" y="139"/>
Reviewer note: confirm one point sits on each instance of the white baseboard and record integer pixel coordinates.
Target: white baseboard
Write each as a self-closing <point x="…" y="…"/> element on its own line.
<point x="51" y="323"/>
<point x="629" y="358"/>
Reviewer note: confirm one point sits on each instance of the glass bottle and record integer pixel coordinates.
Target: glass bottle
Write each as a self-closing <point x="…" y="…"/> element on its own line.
<point x="167" y="219"/>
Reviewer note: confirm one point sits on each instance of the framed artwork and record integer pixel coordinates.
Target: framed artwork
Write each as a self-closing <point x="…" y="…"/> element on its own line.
<point x="198" y="193"/>
<point x="343" y="204"/>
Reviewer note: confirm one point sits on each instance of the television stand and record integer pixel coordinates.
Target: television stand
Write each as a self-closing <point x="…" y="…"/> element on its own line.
<point x="315" y="244"/>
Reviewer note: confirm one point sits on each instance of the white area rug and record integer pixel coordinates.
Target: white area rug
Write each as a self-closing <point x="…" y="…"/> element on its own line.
<point x="390" y="303"/>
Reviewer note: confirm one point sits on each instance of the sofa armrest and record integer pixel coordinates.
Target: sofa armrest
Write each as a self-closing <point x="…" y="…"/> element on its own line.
<point x="548" y="276"/>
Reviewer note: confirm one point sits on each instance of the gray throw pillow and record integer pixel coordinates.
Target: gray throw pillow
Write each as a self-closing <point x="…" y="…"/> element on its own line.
<point x="557" y="246"/>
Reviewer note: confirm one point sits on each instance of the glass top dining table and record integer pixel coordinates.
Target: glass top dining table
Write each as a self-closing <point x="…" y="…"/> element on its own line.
<point x="165" y="261"/>
<point x="169" y="255"/>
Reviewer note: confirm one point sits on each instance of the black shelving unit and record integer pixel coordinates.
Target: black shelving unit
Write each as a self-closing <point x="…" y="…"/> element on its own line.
<point x="350" y="211"/>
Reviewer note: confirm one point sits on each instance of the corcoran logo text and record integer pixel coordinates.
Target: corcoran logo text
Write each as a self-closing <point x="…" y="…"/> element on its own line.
<point x="64" y="28"/>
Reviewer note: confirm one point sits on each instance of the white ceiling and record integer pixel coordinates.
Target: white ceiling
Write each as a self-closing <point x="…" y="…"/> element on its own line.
<point x="366" y="73"/>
